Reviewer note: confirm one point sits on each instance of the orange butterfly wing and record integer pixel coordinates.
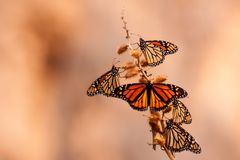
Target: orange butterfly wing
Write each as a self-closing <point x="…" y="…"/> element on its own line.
<point x="96" y="86"/>
<point x="105" y="84"/>
<point x="162" y="94"/>
<point x="140" y="96"/>
<point x="135" y="94"/>
<point x="164" y="46"/>
<point x="156" y="50"/>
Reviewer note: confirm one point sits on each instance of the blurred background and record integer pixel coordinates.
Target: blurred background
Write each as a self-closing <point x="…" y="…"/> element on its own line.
<point x="51" y="51"/>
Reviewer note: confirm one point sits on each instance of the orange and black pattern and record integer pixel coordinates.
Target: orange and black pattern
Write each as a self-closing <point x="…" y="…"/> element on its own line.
<point x="155" y="51"/>
<point x="177" y="139"/>
<point x="157" y="96"/>
<point x="106" y="83"/>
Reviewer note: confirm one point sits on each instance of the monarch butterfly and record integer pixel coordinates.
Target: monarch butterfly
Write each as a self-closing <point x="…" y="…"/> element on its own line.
<point x="106" y="83"/>
<point x="180" y="113"/>
<point x="177" y="139"/>
<point x="156" y="50"/>
<point x="157" y="96"/>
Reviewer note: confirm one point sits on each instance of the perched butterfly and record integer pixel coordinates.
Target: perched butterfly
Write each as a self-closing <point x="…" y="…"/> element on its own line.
<point x="177" y="139"/>
<point x="106" y="83"/>
<point x="156" y="50"/>
<point x="157" y="96"/>
<point x="180" y="113"/>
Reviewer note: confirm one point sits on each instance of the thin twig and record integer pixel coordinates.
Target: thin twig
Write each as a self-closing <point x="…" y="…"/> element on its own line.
<point x="141" y="69"/>
<point x="125" y="27"/>
<point x="127" y="32"/>
<point x="168" y="152"/>
<point x="131" y="48"/>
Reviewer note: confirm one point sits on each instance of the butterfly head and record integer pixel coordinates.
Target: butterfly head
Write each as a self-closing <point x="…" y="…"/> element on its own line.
<point x="175" y="103"/>
<point x="142" y="44"/>
<point x="115" y="70"/>
<point x="169" y="123"/>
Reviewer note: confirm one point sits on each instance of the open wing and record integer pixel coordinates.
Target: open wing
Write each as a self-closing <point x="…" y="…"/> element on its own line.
<point x="135" y="94"/>
<point x="156" y="50"/>
<point x="105" y="84"/>
<point x="162" y="94"/>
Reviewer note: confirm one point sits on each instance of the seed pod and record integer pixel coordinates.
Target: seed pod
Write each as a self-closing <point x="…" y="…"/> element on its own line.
<point x="131" y="73"/>
<point x="136" y="53"/>
<point x="159" y="139"/>
<point x="157" y="136"/>
<point x="129" y="65"/>
<point x="154" y="115"/>
<point x="143" y="80"/>
<point x="160" y="79"/>
<point x="122" y="48"/>
<point x="144" y="63"/>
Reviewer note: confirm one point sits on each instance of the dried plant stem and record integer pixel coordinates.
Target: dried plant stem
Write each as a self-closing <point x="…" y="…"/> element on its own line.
<point x="127" y="32"/>
<point x="161" y="130"/>
<point x="141" y="69"/>
<point x="138" y="64"/>
<point x="125" y="27"/>
<point x="131" y="48"/>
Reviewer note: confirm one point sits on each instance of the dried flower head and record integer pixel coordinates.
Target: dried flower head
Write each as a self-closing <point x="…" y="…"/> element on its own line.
<point x="142" y="79"/>
<point x="129" y="65"/>
<point x="154" y="116"/>
<point x="136" y="53"/>
<point x="144" y="63"/>
<point x="168" y="108"/>
<point x="153" y="121"/>
<point x="123" y="48"/>
<point x="159" y="139"/>
<point x="160" y="78"/>
<point x="131" y="73"/>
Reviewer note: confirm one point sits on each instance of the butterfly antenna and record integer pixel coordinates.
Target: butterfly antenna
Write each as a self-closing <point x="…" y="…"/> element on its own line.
<point x="151" y="144"/>
<point x="134" y="34"/>
<point x="115" y="61"/>
<point x="134" y="43"/>
<point x="123" y="70"/>
<point x="138" y="35"/>
<point x="144" y="115"/>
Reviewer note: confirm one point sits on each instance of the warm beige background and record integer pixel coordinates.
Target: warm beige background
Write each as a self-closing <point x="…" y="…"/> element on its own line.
<point x="50" y="52"/>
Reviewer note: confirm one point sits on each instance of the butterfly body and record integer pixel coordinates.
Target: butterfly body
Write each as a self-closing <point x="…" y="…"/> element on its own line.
<point x="106" y="83"/>
<point x="142" y="44"/>
<point x="155" y="51"/>
<point x="140" y="96"/>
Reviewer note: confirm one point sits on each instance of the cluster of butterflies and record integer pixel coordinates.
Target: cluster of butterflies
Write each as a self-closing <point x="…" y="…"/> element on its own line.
<point x="176" y="138"/>
<point x="155" y="96"/>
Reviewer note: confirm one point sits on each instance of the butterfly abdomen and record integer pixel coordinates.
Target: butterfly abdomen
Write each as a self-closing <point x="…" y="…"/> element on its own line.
<point x="149" y="88"/>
